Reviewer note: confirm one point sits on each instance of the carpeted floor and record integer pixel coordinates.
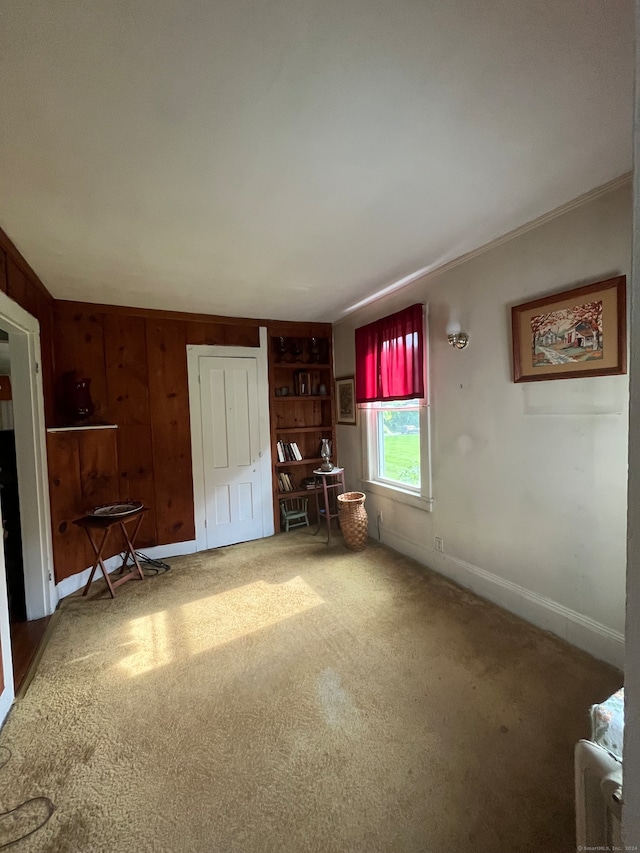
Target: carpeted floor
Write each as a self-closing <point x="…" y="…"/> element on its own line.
<point x="284" y="697"/>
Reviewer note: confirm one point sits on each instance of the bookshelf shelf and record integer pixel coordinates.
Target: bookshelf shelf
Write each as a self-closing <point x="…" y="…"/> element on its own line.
<point x="277" y="398"/>
<point x="298" y="462"/>
<point x="299" y="365"/>
<point x="291" y="430"/>
<point x="298" y="493"/>
<point x="300" y="419"/>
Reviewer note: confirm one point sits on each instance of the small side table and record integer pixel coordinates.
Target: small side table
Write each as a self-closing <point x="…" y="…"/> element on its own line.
<point x="330" y="481"/>
<point x="91" y="524"/>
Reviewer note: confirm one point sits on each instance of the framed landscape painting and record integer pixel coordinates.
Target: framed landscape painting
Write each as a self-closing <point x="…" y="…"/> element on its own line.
<point x="346" y="400"/>
<point x="580" y="332"/>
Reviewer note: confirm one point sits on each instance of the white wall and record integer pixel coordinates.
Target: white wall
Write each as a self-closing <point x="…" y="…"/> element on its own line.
<point x="529" y="479"/>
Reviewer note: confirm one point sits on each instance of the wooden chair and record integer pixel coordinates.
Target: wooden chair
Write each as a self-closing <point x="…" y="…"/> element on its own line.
<point x="294" y="512"/>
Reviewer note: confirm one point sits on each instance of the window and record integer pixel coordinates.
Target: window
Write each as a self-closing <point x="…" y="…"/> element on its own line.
<point x="392" y="392"/>
<point x="396" y="450"/>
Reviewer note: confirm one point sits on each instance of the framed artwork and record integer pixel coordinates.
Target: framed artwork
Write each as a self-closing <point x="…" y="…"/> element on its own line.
<point x="346" y="400"/>
<point x="580" y="332"/>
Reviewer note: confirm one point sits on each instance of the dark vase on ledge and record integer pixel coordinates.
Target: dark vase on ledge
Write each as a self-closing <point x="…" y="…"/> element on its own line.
<point x="78" y="402"/>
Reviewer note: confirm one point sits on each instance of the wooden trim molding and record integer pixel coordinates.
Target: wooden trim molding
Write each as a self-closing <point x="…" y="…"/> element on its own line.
<point x="290" y="327"/>
<point x="9" y="247"/>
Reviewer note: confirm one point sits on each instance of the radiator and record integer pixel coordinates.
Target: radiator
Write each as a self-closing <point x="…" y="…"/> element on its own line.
<point x="598" y="797"/>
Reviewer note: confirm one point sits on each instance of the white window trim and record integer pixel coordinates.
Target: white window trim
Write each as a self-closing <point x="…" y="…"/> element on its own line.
<point x="420" y="498"/>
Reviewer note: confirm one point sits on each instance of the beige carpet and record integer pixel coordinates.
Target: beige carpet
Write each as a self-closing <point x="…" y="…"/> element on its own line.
<point x="283" y="697"/>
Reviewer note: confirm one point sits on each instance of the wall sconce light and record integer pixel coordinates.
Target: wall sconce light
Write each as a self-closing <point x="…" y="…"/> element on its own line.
<point x="456" y="338"/>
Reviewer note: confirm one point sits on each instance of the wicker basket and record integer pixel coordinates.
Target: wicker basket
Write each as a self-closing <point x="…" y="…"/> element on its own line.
<point x="353" y="520"/>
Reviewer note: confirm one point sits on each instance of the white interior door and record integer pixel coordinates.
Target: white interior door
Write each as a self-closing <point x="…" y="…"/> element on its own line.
<point x="233" y="464"/>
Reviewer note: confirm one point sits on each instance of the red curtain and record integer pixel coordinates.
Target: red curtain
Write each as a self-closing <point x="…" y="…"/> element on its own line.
<point x="390" y="357"/>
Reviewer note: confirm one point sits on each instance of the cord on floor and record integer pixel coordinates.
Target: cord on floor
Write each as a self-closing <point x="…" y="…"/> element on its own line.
<point x="151" y="567"/>
<point x="47" y="802"/>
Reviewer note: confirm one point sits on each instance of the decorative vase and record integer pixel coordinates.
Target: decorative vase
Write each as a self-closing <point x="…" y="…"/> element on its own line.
<point x="353" y="520"/>
<point x="78" y="400"/>
<point x="281" y="349"/>
<point x="325" y="452"/>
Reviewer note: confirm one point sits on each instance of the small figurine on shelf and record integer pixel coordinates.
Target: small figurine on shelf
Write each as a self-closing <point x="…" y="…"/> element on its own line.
<point x="77" y="397"/>
<point x="315" y="351"/>
<point x="302" y="380"/>
<point x="296" y="349"/>
<point x="281" y="349"/>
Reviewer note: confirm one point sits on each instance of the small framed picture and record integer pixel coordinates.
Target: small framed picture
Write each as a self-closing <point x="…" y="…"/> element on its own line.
<point x="346" y="400"/>
<point x="580" y="332"/>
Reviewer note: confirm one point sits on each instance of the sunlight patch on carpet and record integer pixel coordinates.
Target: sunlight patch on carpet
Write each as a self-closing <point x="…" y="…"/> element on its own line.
<point x="182" y="632"/>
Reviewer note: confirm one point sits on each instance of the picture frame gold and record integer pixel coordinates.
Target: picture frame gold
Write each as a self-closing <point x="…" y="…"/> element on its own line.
<point x="575" y="333"/>
<point x="346" y="401"/>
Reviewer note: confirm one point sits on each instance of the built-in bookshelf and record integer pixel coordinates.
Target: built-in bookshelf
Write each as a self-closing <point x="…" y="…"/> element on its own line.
<point x="302" y="408"/>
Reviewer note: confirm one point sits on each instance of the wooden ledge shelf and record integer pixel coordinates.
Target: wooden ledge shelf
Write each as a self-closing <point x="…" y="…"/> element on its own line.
<point x="299" y="462"/>
<point x="282" y="398"/>
<point x="285" y="430"/>
<point x="298" y="493"/>
<point x="78" y="428"/>
<point x="300" y="365"/>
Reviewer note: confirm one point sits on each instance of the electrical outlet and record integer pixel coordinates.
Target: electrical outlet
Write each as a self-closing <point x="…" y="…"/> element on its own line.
<point x="380" y="518"/>
<point x="439" y="543"/>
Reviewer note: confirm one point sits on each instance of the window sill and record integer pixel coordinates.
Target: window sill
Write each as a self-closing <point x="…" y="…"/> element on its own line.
<point x="397" y="494"/>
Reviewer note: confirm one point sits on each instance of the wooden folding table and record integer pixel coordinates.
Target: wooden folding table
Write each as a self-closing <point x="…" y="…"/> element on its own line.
<point x="93" y="525"/>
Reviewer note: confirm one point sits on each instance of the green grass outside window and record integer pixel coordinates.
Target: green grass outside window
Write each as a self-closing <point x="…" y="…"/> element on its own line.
<point x="402" y="459"/>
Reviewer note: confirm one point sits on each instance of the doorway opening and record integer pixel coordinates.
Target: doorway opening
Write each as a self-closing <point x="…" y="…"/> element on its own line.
<point x="25" y="635"/>
<point x="27" y="592"/>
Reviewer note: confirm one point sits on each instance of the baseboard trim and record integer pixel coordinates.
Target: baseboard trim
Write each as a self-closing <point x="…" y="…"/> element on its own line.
<point x="33" y="666"/>
<point x="598" y="640"/>
<point x="158" y="552"/>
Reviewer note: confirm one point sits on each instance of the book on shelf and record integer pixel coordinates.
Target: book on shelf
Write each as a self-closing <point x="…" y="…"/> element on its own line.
<point x="286" y="482"/>
<point x="288" y="451"/>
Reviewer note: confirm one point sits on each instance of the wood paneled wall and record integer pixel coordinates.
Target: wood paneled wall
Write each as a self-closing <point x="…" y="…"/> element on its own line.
<point x="83" y="472"/>
<point x="21" y="284"/>
<point x="137" y="362"/>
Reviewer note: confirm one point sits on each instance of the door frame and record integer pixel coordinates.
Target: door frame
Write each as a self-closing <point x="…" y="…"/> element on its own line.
<point x="33" y="481"/>
<point x="194" y="353"/>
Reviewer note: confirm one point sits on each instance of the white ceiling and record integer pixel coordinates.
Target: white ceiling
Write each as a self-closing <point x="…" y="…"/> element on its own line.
<point x="288" y="158"/>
